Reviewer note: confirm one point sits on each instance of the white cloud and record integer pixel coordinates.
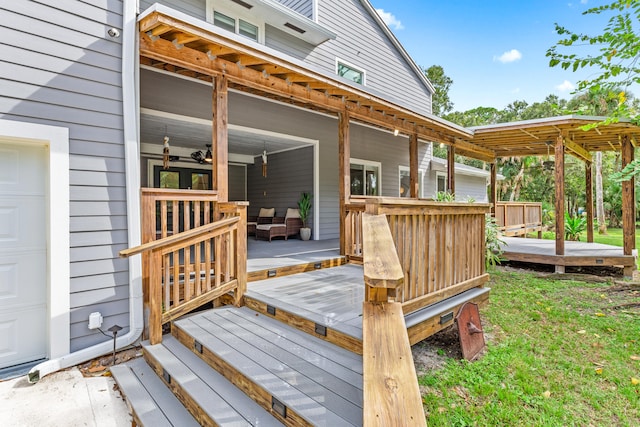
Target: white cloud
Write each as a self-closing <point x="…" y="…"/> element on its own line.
<point x="510" y="56"/>
<point x="515" y="91"/>
<point x="565" y="86"/>
<point x="584" y="1"/>
<point x="390" y="20"/>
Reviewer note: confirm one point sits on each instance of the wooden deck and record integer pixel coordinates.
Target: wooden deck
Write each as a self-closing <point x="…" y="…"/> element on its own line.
<point x="285" y="257"/>
<point x="541" y="251"/>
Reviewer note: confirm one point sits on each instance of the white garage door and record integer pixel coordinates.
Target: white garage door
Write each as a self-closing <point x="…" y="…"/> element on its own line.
<point x="23" y="257"/>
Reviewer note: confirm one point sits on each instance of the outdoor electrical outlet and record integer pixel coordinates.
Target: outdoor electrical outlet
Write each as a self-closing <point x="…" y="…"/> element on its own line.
<point x="95" y="320"/>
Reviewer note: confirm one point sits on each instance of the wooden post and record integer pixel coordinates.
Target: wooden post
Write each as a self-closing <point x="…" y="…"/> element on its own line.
<point x="344" y="170"/>
<point x="219" y="142"/>
<point x="589" y="199"/>
<point x="628" y="201"/>
<point x="241" y="257"/>
<point x="148" y="207"/>
<point x="155" y="298"/>
<point x="451" y="169"/>
<point x="493" y="190"/>
<point x="559" y="157"/>
<point x="413" y="166"/>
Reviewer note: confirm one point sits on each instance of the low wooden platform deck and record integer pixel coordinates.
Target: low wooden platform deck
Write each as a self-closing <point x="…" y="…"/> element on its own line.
<point x="285" y="257"/>
<point x="542" y="251"/>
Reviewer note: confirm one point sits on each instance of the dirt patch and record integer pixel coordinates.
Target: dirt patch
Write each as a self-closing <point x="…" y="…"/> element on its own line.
<point x="100" y="366"/>
<point x="434" y="352"/>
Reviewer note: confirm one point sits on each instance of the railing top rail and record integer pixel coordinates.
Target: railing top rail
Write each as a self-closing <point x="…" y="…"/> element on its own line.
<point x="403" y="201"/>
<point x="382" y="268"/>
<point x="176" y="238"/>
<point x="520" y="203"/>
<point x="174" y="194"/>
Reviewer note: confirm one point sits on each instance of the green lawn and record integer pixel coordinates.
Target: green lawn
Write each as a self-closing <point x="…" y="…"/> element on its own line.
<point x="560" y="354"/>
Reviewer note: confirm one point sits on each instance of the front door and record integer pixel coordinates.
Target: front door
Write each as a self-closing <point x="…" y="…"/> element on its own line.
<point x="23" y="254"/>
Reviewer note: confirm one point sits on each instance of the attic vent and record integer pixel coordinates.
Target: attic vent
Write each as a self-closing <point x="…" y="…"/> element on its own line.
<point x="243" y="4"/>
<point x="293" y="27"/>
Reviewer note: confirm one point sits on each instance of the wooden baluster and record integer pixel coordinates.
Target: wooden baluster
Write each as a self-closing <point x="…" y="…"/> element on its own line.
<point x="155" y="298"/>
<point x="166" y="268"/>
<point x="176" y="277"/>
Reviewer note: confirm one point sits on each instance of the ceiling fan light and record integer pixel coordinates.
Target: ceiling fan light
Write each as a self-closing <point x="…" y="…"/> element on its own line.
<point x="208" y="157"/>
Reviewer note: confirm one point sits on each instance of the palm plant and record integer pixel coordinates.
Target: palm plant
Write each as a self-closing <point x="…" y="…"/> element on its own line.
<point x="574" y="226"/>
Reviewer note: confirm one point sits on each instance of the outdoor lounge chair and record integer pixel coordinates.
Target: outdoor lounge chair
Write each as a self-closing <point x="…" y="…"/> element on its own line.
<point x="281" y="227"/>
<point x="265" y="216"/>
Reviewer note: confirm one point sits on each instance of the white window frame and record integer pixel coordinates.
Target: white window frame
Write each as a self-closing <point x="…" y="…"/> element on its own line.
<point x="421" y="173"/>
<point x="236" y="12"/>
<point x="446" y="184"/>
<point x="366" y="163"/>
<point x="354" y="68"/>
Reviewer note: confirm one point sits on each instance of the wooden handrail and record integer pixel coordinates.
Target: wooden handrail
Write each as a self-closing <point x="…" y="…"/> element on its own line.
<point x="391" y="391"/>
<point x="177" y="238"/>
<point x="382" y="269"/>
<point x="440" y="245"/>
<point x="193" y="251"/>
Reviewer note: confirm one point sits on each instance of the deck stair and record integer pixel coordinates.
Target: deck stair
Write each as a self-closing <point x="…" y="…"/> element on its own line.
<point x="234" y="366"/>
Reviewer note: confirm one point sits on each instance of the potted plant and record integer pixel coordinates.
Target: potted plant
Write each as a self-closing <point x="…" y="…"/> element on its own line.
<point x="304" y="206"/>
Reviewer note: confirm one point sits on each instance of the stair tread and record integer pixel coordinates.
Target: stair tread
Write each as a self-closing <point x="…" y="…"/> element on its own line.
<point x="319" y="393"/>
<point x="432" y="310"/>
<point x="152" y="402"/>
<point x="215" y="395"/>
<point x="338" y="354"/>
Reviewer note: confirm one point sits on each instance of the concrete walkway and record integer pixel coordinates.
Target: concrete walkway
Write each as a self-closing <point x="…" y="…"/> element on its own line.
<point x="64" y="398"/>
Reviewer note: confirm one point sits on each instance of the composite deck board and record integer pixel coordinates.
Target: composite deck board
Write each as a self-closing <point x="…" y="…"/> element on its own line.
<point x="152" y="402"/>
<point x="432" y="310"/>
<point x="331" y="297"/>
<point x="297" y="356"/>
<point x="329" y="392"/>
<point x="217" y="397"/>
<point x="300" y="310"/>
<point x="575" y="253"/>
<point x="311" y="400"/>
<point x="346" y="358"/>
<point x="242" y="403"/>
<point x="264" y="255"/>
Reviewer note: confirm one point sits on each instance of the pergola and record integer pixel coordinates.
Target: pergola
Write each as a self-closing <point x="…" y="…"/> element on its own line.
<point x="578" y="136"/>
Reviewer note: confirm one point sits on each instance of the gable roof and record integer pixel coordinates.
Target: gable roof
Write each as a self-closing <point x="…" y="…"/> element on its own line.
<point x="394" y="40"/>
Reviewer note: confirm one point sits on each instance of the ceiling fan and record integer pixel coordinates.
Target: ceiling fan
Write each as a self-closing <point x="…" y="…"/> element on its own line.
<point x="201" y="157"/>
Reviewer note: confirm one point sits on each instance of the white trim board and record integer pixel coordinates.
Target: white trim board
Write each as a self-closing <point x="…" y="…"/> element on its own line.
<point x="56" y="140"/>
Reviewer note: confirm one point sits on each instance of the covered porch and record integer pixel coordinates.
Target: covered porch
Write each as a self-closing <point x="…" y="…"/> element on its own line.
<point x="195" y="247"/>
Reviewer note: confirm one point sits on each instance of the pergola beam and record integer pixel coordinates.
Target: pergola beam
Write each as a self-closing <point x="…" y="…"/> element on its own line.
<point x="578" y="151"/>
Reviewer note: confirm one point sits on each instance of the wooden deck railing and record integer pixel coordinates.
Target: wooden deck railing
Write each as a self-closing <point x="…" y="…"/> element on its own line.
<point x="519" y="218"/>
<point x="391" y="391"/>
<point x="440" y="245"/>
<point x="188" y="258"/>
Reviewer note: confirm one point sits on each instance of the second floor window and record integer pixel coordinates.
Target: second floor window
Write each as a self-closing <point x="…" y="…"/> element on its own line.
<point x="238" y="26"/>
<point x="349" y="72"/>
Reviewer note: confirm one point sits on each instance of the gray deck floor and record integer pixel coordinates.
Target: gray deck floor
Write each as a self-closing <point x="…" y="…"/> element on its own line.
<point x="548" y="247"/>
<point x="332" y="297"/>
<point x="262" y="255"/>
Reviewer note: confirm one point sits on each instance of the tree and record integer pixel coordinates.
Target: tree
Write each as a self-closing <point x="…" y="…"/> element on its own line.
<point x="440" y="104"/>
<point x="616" y="55"/>
<point x="598" y="102"/>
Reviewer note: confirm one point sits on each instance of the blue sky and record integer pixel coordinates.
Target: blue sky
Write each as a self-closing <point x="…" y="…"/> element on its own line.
<point x="494" y="50"/>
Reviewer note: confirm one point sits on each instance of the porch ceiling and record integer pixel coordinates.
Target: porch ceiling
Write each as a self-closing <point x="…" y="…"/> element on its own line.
<point x="194" y="133"/>
<point x="538" y="137"/>
<point x="176" y="42"/>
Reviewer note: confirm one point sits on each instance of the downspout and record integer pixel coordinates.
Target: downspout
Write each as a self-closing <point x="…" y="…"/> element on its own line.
<point x="130" y="77"/>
